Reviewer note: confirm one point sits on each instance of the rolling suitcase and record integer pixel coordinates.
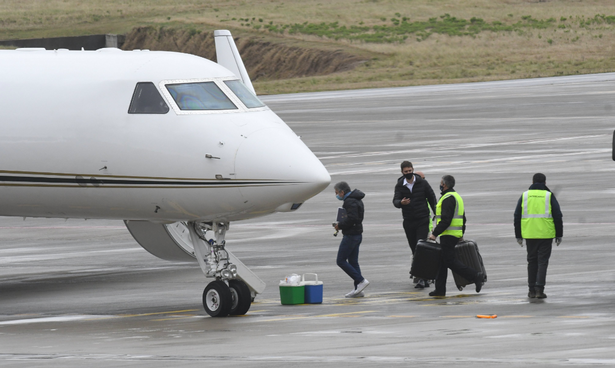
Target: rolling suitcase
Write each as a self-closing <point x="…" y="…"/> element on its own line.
<point x="426" y="260"/>
<point x="466" y="252"/>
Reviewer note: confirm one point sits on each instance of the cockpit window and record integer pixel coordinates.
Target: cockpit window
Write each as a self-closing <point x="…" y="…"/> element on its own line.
<point x="200" y="96"/>
<point x="245" y="95"/>
<point x="147" y="100"/>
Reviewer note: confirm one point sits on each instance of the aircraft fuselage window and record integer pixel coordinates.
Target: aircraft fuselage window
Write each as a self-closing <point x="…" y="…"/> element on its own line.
<point x="245" y="95"/>
<point x="147" y="100"/>
<point x="200" y="96"/>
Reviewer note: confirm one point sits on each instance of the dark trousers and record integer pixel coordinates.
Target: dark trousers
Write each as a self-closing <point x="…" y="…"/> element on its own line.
<point x="348" y="257"/>
<point x="416" y="230"/>
<point x="448" y="243"/>
<point x="538" y="254"/>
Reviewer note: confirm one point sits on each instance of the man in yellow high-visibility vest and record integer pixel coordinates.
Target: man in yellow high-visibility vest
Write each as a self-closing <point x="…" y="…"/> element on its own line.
<point x="450" y="226"/>
<point x="538" y="220"/>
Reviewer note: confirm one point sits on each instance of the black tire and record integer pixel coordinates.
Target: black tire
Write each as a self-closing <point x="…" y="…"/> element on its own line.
<point x="240" y="296"/>
<point x="217" y="299"/>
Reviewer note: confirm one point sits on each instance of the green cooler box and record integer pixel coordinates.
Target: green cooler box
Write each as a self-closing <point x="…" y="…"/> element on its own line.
<point x="291" y="294"/>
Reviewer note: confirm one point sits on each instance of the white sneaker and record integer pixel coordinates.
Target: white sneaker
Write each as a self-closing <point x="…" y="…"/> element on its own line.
<point x="362" y="285"/>
<point x="351" y="294"/>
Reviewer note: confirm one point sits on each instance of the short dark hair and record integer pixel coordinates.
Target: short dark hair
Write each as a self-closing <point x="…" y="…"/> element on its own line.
<point x="343" y="187"/>
<point x="406" y="164"/>
<point x="539" y="178"/>
<point x="449" y="181"/>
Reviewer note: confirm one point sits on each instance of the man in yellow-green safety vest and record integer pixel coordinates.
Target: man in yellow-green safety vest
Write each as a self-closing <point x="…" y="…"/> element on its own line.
<point x="538" y="220"/>
<point x="450" y="226"/>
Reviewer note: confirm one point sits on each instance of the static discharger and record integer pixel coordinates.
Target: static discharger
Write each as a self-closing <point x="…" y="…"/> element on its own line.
<point x="488" y="316"/>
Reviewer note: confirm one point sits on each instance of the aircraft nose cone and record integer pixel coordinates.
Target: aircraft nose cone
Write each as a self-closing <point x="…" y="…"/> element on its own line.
<point x="277" y="168"/>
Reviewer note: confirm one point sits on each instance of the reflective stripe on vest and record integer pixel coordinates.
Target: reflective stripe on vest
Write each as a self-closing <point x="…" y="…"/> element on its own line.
<point x="536" y="217"/>
<point x="456" y="227"/>
<point x="431" y="220"/>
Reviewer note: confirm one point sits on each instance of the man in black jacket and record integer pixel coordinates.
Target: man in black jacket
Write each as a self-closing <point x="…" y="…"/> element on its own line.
<point x="415" y="197"/>
<point x="352" y="229"/>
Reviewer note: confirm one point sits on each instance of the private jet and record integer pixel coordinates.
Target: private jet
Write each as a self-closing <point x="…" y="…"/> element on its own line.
<point x="175" y="145"/>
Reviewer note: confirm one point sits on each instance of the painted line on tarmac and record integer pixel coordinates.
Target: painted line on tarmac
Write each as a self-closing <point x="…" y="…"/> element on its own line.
<point x="453" y="316"/>
<point x="71" y="318"/>
<point x="189" y="314"/>
<point x="339" y="315"/>
<point x="576" y="317"/>
<point x="156" y="313"/>
<point x="347" y="314"/>
<point x="181" y="317"/>
<point x="518" y="316"/>
<point x="382" y="298"/>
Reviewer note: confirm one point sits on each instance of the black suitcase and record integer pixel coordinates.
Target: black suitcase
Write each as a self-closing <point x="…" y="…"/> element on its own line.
<point x="466" y="252"/>
<point x="426" y="260"/>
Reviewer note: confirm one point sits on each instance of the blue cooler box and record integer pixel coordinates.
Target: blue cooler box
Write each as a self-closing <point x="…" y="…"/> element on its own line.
<point x="313" y="289"/>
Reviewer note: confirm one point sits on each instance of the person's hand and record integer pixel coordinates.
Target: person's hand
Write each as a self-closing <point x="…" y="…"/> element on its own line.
<point x="520" y="241"/>
<point x="432" y="237"/>
<point x="558" y="241"/>
<point x="335" y="226"/>
<point x="405" y="201"/>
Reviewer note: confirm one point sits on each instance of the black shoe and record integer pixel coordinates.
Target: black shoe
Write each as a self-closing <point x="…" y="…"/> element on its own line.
<point x="480" y="279"/>
<point x="437" y="293"/>
<point x="532" y="293"/>
<point x="539" y="290"/>
<point x="420" y="284"/>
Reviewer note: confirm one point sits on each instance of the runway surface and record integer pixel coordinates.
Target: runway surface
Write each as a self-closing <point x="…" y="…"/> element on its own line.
<point x="82" y="293"/>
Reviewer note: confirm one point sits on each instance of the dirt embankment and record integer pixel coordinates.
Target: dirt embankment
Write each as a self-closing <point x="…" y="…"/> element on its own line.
<point x="266" y="60"/>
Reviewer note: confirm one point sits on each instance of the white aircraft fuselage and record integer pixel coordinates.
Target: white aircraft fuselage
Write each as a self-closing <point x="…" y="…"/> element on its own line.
<point x="76" y="144"/>
<point x="175" y="145"/>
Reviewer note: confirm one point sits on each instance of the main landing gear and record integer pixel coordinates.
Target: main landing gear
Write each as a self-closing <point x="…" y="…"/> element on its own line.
<point x="227" y="295"/>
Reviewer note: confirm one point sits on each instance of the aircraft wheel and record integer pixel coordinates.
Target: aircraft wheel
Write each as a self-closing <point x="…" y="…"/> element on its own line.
<point x="217" y="299"/>
<point x="241" y="297"/>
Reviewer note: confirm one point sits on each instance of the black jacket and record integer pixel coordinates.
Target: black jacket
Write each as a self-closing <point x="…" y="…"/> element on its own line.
<point x="417" y="210"/>
<point x="448" y="211"/>
<point x="353" y="223"/>
<point x="555" y="211"/>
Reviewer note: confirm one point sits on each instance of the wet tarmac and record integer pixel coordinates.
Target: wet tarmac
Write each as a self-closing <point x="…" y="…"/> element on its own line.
<point x="83" y="293"/>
